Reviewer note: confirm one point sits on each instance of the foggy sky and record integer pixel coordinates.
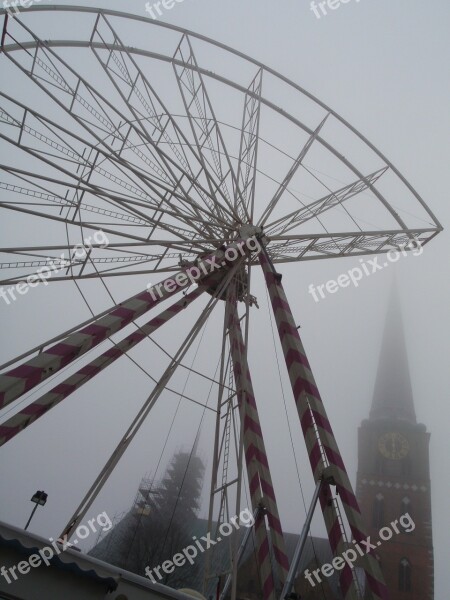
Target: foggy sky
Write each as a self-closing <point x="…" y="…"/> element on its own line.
<point x="383" y="66"/>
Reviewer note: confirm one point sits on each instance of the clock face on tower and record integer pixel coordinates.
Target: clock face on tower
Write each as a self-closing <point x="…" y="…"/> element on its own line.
<point x="393" y="445"/>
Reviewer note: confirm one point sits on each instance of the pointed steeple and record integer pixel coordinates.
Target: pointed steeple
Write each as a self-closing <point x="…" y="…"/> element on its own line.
<point x="393" y="398"/>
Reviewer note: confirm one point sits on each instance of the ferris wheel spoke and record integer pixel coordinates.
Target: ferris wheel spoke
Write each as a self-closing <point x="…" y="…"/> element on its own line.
<point x="142" y="100"/>
<point x="313" y="210"/>
<point x="196" y="248"/>
<point x="91" y="268"/>
<point x="125" y="247"/>
<point x="292" y="171"/>
<point x="40" y="256"/>
<point x="40" y="195"/>
<point x="108" y="125"/>
<point x="34" y="198"/>
<point x="293" y="248"/>
<point x="46" y="198"/>
<point x="73" y="155"/>
<point x="248" y="152"/>
<point x="129" y="218"/>
<point x="205" y="128"/>
<point x="38" y="252"/>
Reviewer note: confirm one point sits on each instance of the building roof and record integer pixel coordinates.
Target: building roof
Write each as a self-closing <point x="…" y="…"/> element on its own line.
<point x="68" y="560"/>
<point x="80" y="564"/>
<point x="317" y="550"/>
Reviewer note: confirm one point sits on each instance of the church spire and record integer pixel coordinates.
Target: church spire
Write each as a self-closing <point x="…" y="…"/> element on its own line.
<point x="393" y="398"/>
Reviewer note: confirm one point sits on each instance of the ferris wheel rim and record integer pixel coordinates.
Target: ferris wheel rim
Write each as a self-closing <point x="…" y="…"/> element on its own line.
<point x="331" y="243"/>
<point x="242" y="55"/>
<point x="332" y="236"/>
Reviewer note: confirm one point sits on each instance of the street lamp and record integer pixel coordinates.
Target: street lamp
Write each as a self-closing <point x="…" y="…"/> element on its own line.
<point x="39" y="499"/>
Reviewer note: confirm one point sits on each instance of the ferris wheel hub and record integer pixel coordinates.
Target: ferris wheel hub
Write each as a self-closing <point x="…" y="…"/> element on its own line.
<point x="248" y="231"/>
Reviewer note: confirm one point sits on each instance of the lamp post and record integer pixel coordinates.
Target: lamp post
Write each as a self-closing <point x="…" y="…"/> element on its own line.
<point x="39" y="499"/>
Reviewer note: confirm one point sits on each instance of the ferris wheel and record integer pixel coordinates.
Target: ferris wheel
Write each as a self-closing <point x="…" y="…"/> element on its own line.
<point x="133" y="148"/>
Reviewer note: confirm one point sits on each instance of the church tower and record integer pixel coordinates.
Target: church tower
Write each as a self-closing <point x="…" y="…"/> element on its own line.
<point x="394" y="472"/>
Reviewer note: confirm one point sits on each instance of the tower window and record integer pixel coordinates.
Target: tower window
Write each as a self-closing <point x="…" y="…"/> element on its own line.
<point x="404" y="575"/>
<point x="378" y="511"/>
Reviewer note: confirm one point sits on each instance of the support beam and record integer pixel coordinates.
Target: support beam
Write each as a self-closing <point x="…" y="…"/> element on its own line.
<point x="210" y="144"/>
<point x="260" y="479"/>
<point x="292" y="171"/>
<point x="248" y="152"/>
<point x="289" y="584"/>
<point x="25" y="377"/>
<point x="318" y="207"/>
<point x="239" y="556"/>
<point x="28" y="415"/>
<point x="149" y="112"/>
<point x="107" y="120"/>
<point x="313" y="415"/>
<point x="138" y="421"/>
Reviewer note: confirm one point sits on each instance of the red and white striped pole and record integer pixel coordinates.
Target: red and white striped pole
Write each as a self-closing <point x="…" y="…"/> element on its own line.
<point x="23" y="378"/>
<point x="260" y="479"/>
<point x="313" y="416"/>
<point x="49" y="400"/>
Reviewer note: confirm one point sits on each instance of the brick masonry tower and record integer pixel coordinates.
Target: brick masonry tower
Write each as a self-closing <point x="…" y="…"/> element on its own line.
<point x="394" y="470"/>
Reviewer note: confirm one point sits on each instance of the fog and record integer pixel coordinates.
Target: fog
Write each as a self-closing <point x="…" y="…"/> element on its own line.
<point x="383" y="66"/>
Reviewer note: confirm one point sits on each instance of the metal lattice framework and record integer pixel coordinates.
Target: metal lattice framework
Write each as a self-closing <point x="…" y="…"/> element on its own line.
<point x="136" y="130"/>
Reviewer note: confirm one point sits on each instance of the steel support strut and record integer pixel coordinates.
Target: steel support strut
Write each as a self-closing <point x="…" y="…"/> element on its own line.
<point x="313" y="418"/>
<point x="289" y="583"/>
<point x="19" y="380"/>
<point x="131" y="432"/>
<point x="50" y="399"/>
<point x="239" y="556"/>
<point x="260" y="481"/>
